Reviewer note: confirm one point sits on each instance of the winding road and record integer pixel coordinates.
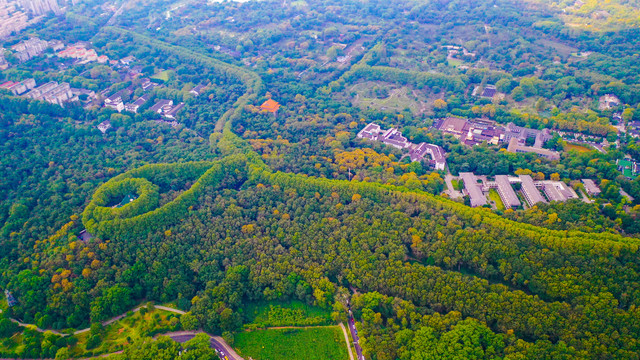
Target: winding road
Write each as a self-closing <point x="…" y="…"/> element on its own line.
<point x="222" y="348"/>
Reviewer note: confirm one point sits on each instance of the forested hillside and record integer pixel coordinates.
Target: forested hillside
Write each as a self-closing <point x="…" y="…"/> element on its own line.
<point x="227" y="206"/>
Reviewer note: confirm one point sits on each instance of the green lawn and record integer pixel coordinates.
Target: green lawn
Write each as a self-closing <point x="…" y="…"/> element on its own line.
<point x="495" y="197"/>
<point x="164" y="75"/>
<point x="320" y="343"/>
<point x="290" y="313"/>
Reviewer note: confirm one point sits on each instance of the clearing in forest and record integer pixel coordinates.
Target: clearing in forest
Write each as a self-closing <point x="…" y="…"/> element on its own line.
<point x="316" y="343"/>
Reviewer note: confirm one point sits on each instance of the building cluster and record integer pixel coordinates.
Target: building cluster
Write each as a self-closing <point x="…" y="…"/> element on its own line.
<point x="608" y="101"/>
<point x="12" y="18"/>
<point x="166" y="108"/>
<point x="473" y="132"/>
<point x="82" y="54"/>
<point x="393" y="137"/>
<point x="28" y="49"/>
<point x="533" y="192"/>
<point x="487" y="91"/>
<point x="41" y="7"/>
<point x="52" y="92"/>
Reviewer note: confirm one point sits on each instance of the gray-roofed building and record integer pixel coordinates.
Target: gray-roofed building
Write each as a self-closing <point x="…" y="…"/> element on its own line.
<point x="134" y="106"/>
<point x="104" y="126"/>
<point x="394" y="138"/>
<point x="371" y="132"/>
<point x="196" y="91"/>
<point x="506" y="192"/>
<point x="171" y="114"/>
<point x="473" y="190"/>
<point x="558" y="191"/>
<point x="516" y="145"/>
<point x="591" y="187"/>
<point x="529" y="190"/>
<point x="162" y="106"/>
<point x="553" y="194"/>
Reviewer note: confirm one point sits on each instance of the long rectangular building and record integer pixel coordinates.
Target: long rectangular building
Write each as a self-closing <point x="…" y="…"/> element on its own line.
<point x="530" y="192"/>
<point x="474" y="191"/>
<point x="508" y="196"/>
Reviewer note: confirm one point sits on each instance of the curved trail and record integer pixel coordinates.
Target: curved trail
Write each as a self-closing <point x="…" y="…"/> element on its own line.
<point x="104" y="323"/>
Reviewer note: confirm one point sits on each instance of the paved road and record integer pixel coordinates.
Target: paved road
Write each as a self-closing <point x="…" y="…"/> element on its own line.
<point x="224" y="350"/>
<point x="354" y="335"/>
<point x="453" y="193"/>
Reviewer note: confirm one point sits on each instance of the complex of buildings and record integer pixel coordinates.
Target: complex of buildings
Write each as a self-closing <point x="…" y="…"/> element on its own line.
<point x="166" y="108"/>
<point x="12" y="18"/>
<point x="393" y="137"/>
<point x="473" y="132"/>
<point x="31" y="48"/>
<point x="532" y="191"/>
<point x="19" y="87"/>
<point x="608" y="101"/>
<point x="53" y="92"/>
<point x="41" y="7"/>
<point x="82" y="54"/>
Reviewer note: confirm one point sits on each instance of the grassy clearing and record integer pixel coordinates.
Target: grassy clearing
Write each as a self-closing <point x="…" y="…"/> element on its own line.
<point x="291" y="313"/>
<point x="457" y="184"/>
<point x="126" y="330"/>
<point x="164" y="75"/>
<point x="398" y="99"/>
<point x="579" y="148"/>
<point x="320" y="343"/>
<point x="454" y="62"/>
<point x="495" y="197"/>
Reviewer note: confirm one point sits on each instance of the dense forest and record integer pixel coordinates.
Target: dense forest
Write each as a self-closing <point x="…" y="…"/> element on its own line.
<point x="235" y="205"/>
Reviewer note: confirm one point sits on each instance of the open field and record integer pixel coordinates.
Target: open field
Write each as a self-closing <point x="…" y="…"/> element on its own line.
<point x="578" y="148"/>
<point x="398" y="99"/>
<point x="163" y="75"/>
<point x="318" y="343"/>
<point x="291" y="313"/>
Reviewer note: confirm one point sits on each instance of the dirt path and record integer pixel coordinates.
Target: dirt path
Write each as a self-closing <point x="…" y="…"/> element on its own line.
<point x="346" y="338"/>
<point x="104" y="323"/>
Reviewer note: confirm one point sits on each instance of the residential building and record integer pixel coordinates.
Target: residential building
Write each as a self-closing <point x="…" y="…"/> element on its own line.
<point x="590" y="187"/>
<point x="134" y="106"/>
<point x="530" y="191"/>
<point x="12" y="18"/>
<point x="51" y="92"/>
<point x="162" y="106"/>
<point x="171" y="114"/>
<point x="196" y="91"/>
<point x="27" y="49"/>
<point x="104" y="126"/>
<point x="115" y="101"/>
<point x="506" y="192"/>
<point x="473" y="189"/>
<point x="19" y="87"/>
<point x="41" y="7"/>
